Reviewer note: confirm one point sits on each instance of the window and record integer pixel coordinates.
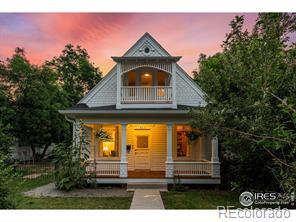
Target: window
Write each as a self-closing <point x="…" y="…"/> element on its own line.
<point x="146" y="50"/>
<point x="183" y="142"/>
<point x="131" y="79"/>
<point x="110" y="148"/>
<point x="146" y="79"/>
<point x="142" y="142"/>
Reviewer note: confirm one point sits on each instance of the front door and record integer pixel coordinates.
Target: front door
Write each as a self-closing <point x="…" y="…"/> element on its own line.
<point x="141" y="152"/>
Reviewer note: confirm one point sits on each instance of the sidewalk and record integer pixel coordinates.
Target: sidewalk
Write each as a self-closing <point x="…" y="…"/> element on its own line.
<point x="147" y="199"/>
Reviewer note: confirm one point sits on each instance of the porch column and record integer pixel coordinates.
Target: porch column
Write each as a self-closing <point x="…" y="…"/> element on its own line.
<point x="123" y="162"/>
<point x="215" y="158"/>
<point x="169" y="162"/>
<point x="174" y="84"/>
<point x="118" y="86"/>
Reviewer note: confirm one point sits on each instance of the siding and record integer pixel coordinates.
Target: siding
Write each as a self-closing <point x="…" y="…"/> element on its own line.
<point x="187" y="94"/>
<point x="158" y="145"/>
<point x="105" y="94"/>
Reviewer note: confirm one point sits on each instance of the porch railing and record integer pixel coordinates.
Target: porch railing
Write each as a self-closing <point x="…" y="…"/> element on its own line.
<point x="193" y="168"/>
<point x="104" y="168"/>
<point x="146" y="94"/>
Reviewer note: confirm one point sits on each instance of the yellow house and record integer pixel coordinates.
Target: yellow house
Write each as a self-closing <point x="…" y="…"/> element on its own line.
<point x="136" y="122"/>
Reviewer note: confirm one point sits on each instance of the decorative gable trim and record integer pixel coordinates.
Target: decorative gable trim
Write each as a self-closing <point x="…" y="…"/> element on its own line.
<point x="138" y="49"/>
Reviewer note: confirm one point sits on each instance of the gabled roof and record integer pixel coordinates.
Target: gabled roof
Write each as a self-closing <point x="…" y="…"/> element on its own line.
<point x="146" y="41"/>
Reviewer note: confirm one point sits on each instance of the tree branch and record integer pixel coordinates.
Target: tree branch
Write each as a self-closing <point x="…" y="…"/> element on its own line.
<point x="259" y="136"/>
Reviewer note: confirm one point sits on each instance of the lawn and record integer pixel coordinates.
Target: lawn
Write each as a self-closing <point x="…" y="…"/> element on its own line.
<point x="200" y="199"/>
<point x="23" y="202"/>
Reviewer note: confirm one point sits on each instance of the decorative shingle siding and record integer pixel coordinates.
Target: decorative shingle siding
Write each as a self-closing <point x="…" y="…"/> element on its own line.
<point x="106" y="94"/>
<point x="187" y="94"/>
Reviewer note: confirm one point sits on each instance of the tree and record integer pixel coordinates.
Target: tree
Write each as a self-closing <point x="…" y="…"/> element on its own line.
<point x="36" y="98"/>
<point x="75" y="72"/>
<point x="6" y="113"/>
<point x="38" y="121"/>
<point x="247" y="86"/>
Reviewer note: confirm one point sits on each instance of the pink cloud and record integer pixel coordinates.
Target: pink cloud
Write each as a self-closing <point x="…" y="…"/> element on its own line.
<point x="44" y="35"/>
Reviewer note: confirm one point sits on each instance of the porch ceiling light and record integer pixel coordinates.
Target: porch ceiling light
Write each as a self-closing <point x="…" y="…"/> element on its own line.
<point x="146" y="75"/>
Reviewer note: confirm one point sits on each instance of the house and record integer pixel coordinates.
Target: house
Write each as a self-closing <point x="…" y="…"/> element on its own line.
<point x="142" y="104"/>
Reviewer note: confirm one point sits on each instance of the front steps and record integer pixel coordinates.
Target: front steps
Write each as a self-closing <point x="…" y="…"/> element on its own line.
<point x="132" y="186"/>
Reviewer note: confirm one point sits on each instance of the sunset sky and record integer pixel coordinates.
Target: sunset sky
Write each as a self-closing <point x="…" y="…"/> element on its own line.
<point x="44" y="35"/>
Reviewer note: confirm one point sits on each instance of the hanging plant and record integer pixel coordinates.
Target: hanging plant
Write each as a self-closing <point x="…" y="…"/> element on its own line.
<point x="103" y="135"/>
<point x="192" y="135"/>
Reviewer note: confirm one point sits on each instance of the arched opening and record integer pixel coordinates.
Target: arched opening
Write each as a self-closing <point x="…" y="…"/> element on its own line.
<point x="146" y="85"/>
<point x="146" y="77"/>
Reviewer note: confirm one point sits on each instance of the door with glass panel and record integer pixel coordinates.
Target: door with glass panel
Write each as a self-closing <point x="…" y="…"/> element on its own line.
<point x="142" y="152"/>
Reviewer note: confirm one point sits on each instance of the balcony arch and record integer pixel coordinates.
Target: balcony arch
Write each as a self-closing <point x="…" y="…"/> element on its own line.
<point x="146" y="85"/>
<point x="127" y="67"/>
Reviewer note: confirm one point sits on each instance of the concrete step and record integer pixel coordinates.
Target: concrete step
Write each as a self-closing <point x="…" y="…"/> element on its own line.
<point x="147" y="185"/>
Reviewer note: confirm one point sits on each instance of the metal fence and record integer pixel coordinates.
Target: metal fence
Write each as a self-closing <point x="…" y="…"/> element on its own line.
<point x="33" y="170"/>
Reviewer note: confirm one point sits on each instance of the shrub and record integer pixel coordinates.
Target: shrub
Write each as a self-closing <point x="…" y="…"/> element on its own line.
<point x="6" y="178"/>
<point x="70" y="164"/>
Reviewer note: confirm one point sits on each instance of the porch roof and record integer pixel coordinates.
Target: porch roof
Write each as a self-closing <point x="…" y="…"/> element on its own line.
<point x="82" y="108"/>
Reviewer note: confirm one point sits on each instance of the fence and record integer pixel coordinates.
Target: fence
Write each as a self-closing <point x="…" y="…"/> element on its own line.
<point x="32" y="170"/>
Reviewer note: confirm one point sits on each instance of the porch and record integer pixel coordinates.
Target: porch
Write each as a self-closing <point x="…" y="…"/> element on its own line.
<point x="152" y="151"/>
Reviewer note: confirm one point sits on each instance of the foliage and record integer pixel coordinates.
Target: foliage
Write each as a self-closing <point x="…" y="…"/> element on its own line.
<point x="6" y="180"/>
<point x="70" y="163"/>
<point x="247" y="85"/>
<point x="103" y="135"/>
<point x="75" y="72"/>
<point x="6" y="113"/>
<point x="37" y="99"/>
<point x="32" y="96"/>
<point x="177" y="185"/>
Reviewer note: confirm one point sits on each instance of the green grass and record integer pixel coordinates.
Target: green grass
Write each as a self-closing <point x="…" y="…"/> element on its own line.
<point x="24" y="202"/>
<point x="201" y="199"/>
<point x="75" y="203"/>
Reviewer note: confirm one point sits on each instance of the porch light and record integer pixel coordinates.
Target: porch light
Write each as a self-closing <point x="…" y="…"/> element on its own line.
<point x="146" y="75"/>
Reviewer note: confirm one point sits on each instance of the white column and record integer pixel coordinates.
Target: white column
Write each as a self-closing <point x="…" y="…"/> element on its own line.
<point x="169" y="161"/>
<point x="123" y="162"/>
<point x="215" y="158"/>
<point x="118" y="88"/>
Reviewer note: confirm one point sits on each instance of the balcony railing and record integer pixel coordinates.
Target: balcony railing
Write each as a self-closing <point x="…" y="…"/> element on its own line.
<point x="146" y="94"/>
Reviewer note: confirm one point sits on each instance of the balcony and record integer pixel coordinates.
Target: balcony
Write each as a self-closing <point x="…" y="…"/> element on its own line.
<point x="146" y="94"/>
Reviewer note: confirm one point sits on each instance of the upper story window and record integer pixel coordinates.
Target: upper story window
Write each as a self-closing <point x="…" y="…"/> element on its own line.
<point x="146" y="79"/>
<point x="147" y="50"/>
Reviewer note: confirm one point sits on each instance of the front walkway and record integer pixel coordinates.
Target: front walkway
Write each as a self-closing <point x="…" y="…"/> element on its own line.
<point x="147" y="199"/>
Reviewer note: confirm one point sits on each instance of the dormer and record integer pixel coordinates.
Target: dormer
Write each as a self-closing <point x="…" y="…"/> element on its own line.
<point x="146" y="76"/>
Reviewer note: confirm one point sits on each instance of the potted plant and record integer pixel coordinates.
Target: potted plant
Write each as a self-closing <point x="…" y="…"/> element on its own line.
<point x="103" y="135"/>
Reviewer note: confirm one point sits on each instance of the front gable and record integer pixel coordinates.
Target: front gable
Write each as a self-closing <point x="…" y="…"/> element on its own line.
<point x="188" y="93"/>
<point x="146" y="42"/>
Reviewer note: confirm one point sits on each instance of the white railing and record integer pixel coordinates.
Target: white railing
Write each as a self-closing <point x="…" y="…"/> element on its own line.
<point x="146" y="94"/>
<point x="104" y="168"/>
<point x="192" y="168"/>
